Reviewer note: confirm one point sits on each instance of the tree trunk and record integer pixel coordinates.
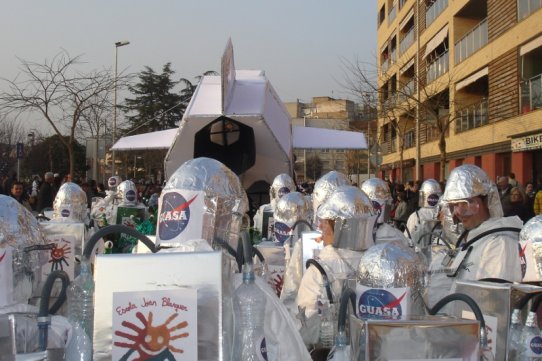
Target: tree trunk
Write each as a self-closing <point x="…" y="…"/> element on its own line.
<point x="72" y="159"/>
<point x="442" y="148"/>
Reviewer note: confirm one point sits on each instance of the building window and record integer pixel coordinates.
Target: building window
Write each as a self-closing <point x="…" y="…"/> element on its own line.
<point x="531" y="76"/>
<point x="471" y="42"/>
<point x="409" y="140"/>
<point x="433" y="10"/>
<point x="527" y="7"/>
<point x="381" y="15"/>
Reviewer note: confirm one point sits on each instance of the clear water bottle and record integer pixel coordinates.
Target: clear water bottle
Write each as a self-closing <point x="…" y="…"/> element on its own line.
<point x="327" y="324"/>
<point x="530" y="340"/>
<point x="249" y="312"/>
<point x="514" y="333"/>
<point x="81" y="299"/>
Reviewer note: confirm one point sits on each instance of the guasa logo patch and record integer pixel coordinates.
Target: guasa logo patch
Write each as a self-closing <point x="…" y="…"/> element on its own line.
<point x="380" y="304"/>
<point x="283" y="190"/>
<point x="174" y="215"/>
<point x="130" y="196"/>
<point x="65" y="212"/>
<point x="282" y="232"/>
<point x="432" y="199"/>
<point x="536" y="345"/>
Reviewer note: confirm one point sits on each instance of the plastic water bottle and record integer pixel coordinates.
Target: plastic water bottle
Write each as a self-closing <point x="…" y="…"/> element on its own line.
<point x="515" y="334"/>
<point x="81" y="299"/>
<point x="327" y="325"/>
<point x="530" y="340"/>
<point x="249" y="312"/>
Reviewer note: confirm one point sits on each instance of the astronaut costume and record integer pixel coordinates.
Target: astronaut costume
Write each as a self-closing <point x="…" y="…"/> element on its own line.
<point x="353" y="217"/>
<point x="487" y="250"/>
<point x="379" y="193"/>
<point x="430" y="194"/>
<point x="282" y="184"/>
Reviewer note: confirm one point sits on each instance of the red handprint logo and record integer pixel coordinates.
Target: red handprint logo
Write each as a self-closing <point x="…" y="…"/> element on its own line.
<point x="58" y="256"/>
<point x="278" y="282"/>
<point x="151" y="341"/>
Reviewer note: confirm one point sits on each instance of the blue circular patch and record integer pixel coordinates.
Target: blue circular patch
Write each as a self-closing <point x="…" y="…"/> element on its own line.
<point x="282" y="191"/>
<point x="174" y="216"/>
<point x="432" y="200"/>
<point x="65" y="213"/>
<point x="379" y="304"/>
<point x="130" y="196"/>
<point x="112" y="182"/>
<point x="282" y="232"/>
<point x="536" y="345"/>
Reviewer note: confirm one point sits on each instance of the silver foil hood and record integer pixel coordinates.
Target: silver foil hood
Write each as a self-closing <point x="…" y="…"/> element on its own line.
<point x="325" y="185"/>
<point x="127" y="193"/>
<point x="430" y="193"/>
<point x="282" y="184"/>
<point x="290" y="209"/>
<point x="70" y="203"/>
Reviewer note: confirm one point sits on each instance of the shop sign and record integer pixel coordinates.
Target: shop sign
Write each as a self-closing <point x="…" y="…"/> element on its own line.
<point x="528" y="142"/>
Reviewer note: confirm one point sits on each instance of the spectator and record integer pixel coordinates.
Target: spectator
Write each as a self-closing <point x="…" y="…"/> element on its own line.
<point x="45" y="195"/>
<point x="538" y="202"/>
<point x="401" y="211"/>
<point x="17" y="192"/>
<point x="512" y="180"/>
<point x="530" y="193"/>
<point x="504" y="194"/>
<point x="518" y="204"/>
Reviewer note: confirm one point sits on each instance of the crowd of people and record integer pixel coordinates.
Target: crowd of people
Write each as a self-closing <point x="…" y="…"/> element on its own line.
<point x="37" y="194"/>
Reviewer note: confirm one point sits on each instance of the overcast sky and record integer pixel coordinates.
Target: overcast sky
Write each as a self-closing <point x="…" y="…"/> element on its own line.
<point x="299" y="44"/>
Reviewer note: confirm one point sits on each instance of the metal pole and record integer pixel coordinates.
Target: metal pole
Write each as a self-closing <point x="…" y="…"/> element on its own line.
<point x="368" y="149"/>
<point x="304" y="156"/>
<point x="114" y="110"/>
<point x="135" y="165"/>
<point x="418" y="82"/>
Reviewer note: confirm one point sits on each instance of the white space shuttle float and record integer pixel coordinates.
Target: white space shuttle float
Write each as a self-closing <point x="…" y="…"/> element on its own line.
<point x="238" y="119"/>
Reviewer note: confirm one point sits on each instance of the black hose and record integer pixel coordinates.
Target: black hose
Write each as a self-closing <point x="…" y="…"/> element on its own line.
<point x="247" y="248"/>
<point x="44" y="320"/>
<point x="113" y="229"/>
<point x="460" y="297"/>
<point x="524" y="300"/>
<point x="44" y="309"/>
<point x="303" y="221"/>
<point x="347" y="295"/>
<point x="327" y="285"/>
<point x="536" y="303"/>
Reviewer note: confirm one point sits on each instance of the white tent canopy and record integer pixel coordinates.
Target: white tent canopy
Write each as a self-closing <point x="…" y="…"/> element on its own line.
<point x="155" y="140"/>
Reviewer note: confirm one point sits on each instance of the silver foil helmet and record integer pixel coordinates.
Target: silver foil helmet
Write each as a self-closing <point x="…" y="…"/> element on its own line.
<point x="392" y="265"/>
<point x="282" y="184"/>
<point x="70" y="203"/>
<point x="467" y="181"/>
<point x="325" y="185"/>
<point x="354" y="216"/>
<point x="291" y="209"/>
<point x="379" y="193"/>
<point x="20" y="235"/>
<point x="430" y="193"/>
<point x="113" y="182"/>
<point x="127" y="193"/>
<point x="224" y="201"/>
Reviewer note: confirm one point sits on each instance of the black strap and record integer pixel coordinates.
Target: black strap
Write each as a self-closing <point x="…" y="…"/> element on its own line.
<point x="327" y="285"/>
<point x="483" y="234"/>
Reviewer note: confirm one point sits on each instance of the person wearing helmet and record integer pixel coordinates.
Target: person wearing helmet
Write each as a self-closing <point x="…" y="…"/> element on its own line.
<point x="489" y="246"/>
<point x="346" y="221"/>
<point x="424" y="219"/>
<point x="282" y="184"/>
<point x="379" y="193"/>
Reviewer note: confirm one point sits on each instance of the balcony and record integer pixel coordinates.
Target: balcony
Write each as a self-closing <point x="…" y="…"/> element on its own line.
<point x="390" y="102"/>
<point x="408" y="90"/>
<point x="407" y="41"/>
<point x="471" y="42"/>
<point x="438" y="67"/>
<point x="434" y="10"/>
<point x="527" y="7"/>
<point x="384" y="66"/>
<point x="531" y="94"/>
<point x="392" y="14"/>
<point x="471" y="117"/>
<point x="409" y="140"/>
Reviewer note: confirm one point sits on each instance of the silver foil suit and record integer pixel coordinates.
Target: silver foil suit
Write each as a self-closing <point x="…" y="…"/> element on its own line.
<point x="20" y="260"/>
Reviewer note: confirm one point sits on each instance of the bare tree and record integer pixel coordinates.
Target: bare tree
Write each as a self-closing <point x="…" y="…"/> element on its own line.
<point x="11" y="132"/>
<point x="401" y="102"/>
<point x="58" y="92"/>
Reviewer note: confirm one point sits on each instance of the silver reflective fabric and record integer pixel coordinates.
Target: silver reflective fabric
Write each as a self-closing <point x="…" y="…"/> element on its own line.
<point x="532" y="232"/>
<point x="282" y="184"/>
<point x="467" y="181"/>
<point x="225" y="199"/>
<point x="19" y="229"/>
<point x="430" y="193"/>
<point x="127" y="193"/>
<point x="292" y="207"/>
<point x="354" y="218"/>
<point x="70" y="203"/>
<point x="394" y="265"/>
<point x="379" y="193"/>
<point x="325" y="185"/>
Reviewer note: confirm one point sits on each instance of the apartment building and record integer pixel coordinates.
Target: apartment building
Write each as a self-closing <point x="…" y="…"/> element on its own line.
<point x="464" y="76"/>
<point x="327" y="112"/>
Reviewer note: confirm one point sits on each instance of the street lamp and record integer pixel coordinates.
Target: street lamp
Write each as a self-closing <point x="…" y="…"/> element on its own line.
<point x="118" y="44"/>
